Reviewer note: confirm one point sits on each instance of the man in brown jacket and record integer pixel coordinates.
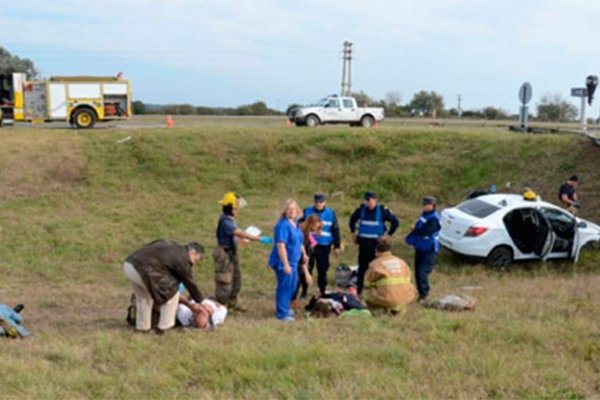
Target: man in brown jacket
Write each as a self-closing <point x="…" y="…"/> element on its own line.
<point x="155" y="271"/>
<point x="387" y="281"/>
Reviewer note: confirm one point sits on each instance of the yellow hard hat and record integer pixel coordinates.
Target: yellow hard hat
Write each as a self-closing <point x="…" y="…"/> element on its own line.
<point x="529" y="195"/>
<point x="229" y="199"/>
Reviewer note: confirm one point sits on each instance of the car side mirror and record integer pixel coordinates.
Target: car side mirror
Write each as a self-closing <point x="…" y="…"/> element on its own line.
<point x="326" y="105"/>
<point x="582" y="224"/>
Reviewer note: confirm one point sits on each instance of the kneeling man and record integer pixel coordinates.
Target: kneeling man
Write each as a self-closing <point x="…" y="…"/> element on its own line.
<point x="387" y="282"/>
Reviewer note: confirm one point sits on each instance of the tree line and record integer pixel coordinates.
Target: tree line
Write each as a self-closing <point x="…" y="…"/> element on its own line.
<point x="552" y="107"/>
<point x="258" y="108"/>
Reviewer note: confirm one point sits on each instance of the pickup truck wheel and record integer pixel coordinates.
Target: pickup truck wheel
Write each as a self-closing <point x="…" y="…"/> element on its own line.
<point x="367" y="121"/>
<point x="312" y="121"/>
<point x="84" y="118"/>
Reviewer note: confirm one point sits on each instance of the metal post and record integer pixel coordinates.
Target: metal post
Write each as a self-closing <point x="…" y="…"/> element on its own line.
<point x="349" y="85"/>
<point x="582" y="120"/>
<point x="343" y="91"/>
<point x="523" y="114"/>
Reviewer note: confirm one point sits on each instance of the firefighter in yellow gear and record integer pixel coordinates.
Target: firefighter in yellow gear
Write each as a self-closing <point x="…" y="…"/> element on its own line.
<point x="388" y="283"/>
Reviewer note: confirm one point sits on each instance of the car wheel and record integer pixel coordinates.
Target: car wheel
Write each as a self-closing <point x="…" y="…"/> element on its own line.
<point x="312" y="121"/>
<point x="367" y="121"/>
<point x="500" y="257"/>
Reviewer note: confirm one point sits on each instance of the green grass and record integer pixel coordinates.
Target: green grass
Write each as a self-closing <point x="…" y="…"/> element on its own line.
<point x="75" y="204"/>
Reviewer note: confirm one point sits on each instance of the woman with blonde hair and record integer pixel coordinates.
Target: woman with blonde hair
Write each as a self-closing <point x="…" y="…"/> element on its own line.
<point x="287" y="256"/>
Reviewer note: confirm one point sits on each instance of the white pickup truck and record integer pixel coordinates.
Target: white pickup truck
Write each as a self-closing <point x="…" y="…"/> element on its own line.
<point x="336" y="110"/>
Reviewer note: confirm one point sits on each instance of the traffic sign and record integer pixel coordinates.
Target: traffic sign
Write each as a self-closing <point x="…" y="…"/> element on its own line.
<point x="525" y="93"/>
<point x="579" y="92"/>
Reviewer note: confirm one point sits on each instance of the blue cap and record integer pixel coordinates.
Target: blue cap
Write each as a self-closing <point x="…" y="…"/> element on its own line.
<point x="320" y="197"/>
<point x="370" y="195"/>
<point x="428" y="200"/>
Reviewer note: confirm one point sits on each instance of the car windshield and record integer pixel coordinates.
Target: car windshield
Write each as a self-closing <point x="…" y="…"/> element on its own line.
<point x="321" y="102"/>
<point x="477" y="208"/>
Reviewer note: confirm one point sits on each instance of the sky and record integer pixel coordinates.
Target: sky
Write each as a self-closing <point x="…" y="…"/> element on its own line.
<point x="227" y="53"/>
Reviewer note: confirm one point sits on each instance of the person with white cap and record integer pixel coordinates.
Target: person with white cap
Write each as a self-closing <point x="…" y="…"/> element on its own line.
<point x="424" y="238"/>
<point x="228" y="277"/>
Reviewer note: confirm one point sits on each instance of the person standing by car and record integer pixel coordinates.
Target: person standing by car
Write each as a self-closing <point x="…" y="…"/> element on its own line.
<point x="328" y="236"/>
<point x="567" y="194"/>
<point x="424" y="238"/>
<point x="371" y="230"/>
<point x="228" y="276"/>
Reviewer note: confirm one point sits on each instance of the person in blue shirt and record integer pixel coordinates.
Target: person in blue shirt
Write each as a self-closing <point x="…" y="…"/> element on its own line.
<point x="228" y="276"/>
<point x="287" y="256"/>
<point x="11" y="322"/>
<point x="567" y="194"/>
<point x="371" y="218"/>
<point x="424" y="238"/>
<point x="328" y="236"/>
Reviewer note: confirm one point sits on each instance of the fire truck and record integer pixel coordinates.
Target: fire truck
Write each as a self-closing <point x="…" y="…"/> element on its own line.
<point x="79" y="100"/>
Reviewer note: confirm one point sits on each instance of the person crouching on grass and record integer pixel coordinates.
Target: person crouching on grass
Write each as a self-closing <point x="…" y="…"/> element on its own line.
<point x="287" y="256"/>
<point x="155" y="271"/>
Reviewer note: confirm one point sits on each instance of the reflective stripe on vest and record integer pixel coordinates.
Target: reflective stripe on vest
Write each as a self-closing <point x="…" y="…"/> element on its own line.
<point x="371" y="229"/>
<point x="326" y="216"/>
<point x="399" y="280"/>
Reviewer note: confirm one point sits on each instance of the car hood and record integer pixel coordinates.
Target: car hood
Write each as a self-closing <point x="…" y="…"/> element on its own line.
<point x="589" y="225"/>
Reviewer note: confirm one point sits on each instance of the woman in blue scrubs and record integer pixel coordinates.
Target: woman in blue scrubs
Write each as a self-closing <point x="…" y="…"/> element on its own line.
<point x="287" y="256"/>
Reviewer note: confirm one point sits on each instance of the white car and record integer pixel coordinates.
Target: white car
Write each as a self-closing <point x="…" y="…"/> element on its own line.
<point x="501" y="228"/>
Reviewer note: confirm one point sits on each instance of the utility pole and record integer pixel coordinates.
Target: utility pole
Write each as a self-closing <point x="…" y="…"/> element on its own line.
<point x="458" y="109"/>
<point x="347" y="69"/>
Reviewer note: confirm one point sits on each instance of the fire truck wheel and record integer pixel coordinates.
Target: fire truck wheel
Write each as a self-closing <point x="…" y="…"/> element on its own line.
<point x="84" y="118"/>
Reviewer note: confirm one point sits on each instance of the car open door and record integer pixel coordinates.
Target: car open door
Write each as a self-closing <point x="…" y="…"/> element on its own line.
<point x="545" y="237"/>
<point x="576" y="248"/>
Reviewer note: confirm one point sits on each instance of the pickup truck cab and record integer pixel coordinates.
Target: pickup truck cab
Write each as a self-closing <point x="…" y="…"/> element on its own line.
<point x="336" y="110"/>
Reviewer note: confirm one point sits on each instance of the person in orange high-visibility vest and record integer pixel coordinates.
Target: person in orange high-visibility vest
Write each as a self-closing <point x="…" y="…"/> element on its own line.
<point x="388" y="283"/>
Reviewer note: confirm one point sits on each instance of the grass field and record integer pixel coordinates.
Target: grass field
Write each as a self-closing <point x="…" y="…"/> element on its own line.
<point x="75" y="204"/>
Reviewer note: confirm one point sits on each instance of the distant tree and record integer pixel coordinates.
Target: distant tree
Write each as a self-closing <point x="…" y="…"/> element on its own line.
<point x="553" y="107"/>
<point x="472" y="114"/>
<point x="427" y="103"/>
<point x="203" y="110"/>
<point x="10" y="63"/>
<point x="139" y="107"/>
<point x="362" y="99"/>
<point x="393" y="98"/>
<point x="494" y="113"/>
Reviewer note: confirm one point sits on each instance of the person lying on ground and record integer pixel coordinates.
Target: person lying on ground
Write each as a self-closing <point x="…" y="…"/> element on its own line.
<point x="11" y="322"/>
<point x="205" y="315"/>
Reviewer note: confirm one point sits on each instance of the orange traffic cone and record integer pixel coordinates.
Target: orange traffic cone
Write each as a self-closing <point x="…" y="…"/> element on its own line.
<point x="376" y="124"/>
<point x="288" y="124"/>
<point x="169" y="121"/>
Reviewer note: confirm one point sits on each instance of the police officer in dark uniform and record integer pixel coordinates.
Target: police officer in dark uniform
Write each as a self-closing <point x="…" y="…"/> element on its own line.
<point x="371" y="218"/>
<point x="424" y="238"/>
<point x="329" y="235"/>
